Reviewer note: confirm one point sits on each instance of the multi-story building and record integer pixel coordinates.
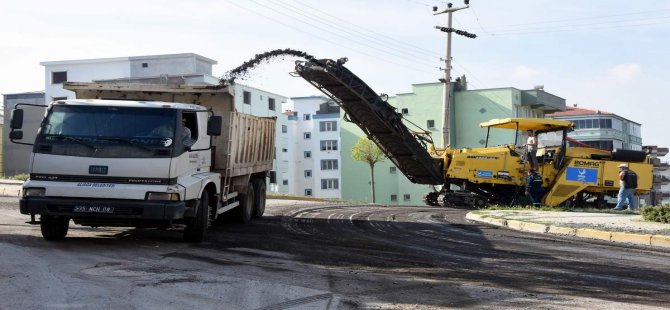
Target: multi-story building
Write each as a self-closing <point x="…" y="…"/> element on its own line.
<point x="602" y="129"/>
<point x="186" y="68"/>
<point x="312" y="154"/>
<point x="423" y="107"/>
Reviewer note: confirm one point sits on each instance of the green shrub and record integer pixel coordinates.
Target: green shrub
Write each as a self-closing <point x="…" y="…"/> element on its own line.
<point x="20" y="177"/>
<point x="656" y="213"/>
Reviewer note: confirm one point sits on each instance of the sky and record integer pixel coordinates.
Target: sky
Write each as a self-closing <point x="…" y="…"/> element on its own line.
<point x="608" y="55"/>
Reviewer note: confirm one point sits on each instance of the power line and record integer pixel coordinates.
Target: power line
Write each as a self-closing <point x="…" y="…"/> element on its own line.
<point x="579" y="18"/>
<point x="580" y="29"/>
<point x="375" y="34"/>
<point x="585" y="25"/>
<point x="337" y="33"/>
<point x="324" y="39"/>
<point x="355" y="33"/>
<point x="477" y="18"/>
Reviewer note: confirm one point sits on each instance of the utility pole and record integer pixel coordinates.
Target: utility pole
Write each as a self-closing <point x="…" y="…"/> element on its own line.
<point x="447" y="65"/>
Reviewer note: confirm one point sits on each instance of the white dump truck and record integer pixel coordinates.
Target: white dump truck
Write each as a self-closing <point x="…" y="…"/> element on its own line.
<point x="140" y="155"/>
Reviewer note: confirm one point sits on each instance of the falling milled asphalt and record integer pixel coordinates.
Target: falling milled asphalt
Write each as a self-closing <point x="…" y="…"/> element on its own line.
<point x="314" y="255"/>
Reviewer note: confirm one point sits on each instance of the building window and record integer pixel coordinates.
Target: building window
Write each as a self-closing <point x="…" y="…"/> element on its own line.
<point x="308" y="154"/>
<point x="273" y="177"/>
<point x="330" y="184"/>
<point x="392" y="170"/>
<point x="306" y="116"/>
<point x="58" y="98"/>
<point x="329" y="145"/>
<point x="284" y="150"/>
<point x="328" y="126"/>
<point x="58" y="77"/>
<point x="394" y="197"/>
<point x="406" y="197"/>
<point x="307" y="135"/>
<point x="405" y="110"/>
<point x="145" y="65"/>
<point x="308" y="173"/>
<point x="284" y="128"/>
<point x="271" y="104"/>
<point x="308" y="192"/>
<point x="284" y="182"/>
<point x="329" y="164"/>
<point x="246" y="97"/>
<point x="592" y="123"/>
<point x="430" y="123"/>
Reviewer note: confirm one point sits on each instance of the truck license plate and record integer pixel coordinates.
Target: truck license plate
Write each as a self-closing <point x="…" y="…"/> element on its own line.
<point x="93" y="209"/>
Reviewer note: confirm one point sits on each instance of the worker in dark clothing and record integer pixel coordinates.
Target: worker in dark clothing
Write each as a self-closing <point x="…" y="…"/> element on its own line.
<point x="534" y="189"/>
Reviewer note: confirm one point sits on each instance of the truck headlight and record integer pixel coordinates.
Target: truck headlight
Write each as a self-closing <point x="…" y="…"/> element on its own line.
<point x="34" y="192"/>
<point x="162" y="196"/>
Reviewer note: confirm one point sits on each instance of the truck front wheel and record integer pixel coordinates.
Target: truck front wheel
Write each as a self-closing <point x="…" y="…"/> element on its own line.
<point x="54" y="228"/>
<point x="197" y="226"/>
<point x="246" y="208"/>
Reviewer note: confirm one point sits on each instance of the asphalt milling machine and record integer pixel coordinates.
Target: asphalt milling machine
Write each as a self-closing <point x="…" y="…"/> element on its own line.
<point x="478" y="176"/>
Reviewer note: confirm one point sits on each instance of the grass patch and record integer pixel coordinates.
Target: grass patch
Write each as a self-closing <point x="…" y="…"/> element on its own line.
<point x="659" y="214"/>
<point x="303" y="198"/>
<point x="18" y="177"/>
<point x="524" y="208"/>
<point x="555" y="209"/>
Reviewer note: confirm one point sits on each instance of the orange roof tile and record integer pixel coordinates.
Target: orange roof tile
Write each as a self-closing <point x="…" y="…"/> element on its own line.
<point x="578" y="111"/>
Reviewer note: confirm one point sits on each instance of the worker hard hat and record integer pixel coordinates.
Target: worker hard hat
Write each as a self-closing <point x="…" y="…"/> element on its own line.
<point x="623" y="166"/>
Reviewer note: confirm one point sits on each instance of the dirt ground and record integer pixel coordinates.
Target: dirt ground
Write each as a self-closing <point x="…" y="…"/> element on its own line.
<point x="314" y="255"/>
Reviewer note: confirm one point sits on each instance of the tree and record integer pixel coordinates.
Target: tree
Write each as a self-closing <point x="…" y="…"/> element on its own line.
<point x="368" y="152"/>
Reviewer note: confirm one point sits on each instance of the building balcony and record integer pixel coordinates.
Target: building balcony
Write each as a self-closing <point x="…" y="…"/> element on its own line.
<point x="663" y="166"/>
<point x="539" y="99"/>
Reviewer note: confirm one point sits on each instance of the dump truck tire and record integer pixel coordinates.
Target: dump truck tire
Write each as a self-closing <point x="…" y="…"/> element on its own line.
<point x="259" y="198"/>
<point x="246" y="208"/>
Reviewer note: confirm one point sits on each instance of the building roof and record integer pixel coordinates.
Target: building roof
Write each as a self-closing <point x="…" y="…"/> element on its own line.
<point x="575" y="111"/>
<point x="570" y="111"/>
<point x="129" y="58"/>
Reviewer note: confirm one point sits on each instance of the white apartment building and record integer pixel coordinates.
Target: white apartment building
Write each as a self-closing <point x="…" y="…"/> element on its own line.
<point x="312" y="152"/>
<point x="185" y="68"/>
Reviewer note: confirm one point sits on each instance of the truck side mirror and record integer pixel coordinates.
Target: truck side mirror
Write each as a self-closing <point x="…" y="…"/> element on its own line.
<point x="214" y="124"/>
<point x="16" y="119"/>
<point x="15" y="135"/>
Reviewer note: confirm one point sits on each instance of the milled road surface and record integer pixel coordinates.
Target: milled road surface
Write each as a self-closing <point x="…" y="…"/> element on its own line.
<point x="306" y="255"/>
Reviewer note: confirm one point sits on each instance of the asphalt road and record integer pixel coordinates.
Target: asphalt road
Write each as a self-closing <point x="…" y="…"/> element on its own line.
<point x="306" y="255"/>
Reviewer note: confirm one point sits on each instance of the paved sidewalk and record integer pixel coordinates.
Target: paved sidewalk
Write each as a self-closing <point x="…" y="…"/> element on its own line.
<point x="10" y="188"/>
<point x="614" y="227"/>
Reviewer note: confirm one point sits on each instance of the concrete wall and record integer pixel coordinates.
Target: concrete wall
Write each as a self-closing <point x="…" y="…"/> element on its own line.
<point x="173" y="65"/>
<point x="17" y="156"/>
<point x="82" y="72"/>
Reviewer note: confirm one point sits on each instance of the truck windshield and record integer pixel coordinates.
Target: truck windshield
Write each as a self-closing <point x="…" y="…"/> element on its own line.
<point x="98" y="127"/>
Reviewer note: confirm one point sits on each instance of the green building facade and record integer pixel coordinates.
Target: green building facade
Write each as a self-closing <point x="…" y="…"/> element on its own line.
<point x="423" y="107"/>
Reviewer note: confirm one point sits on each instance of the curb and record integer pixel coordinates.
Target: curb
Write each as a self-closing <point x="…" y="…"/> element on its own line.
<point x="617" y="237"/>
<point x="9" y="192"/>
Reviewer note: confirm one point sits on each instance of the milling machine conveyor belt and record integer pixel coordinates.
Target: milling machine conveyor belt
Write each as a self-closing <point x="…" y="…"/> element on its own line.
<point x="376" y="117"/>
